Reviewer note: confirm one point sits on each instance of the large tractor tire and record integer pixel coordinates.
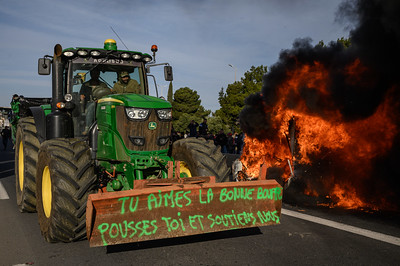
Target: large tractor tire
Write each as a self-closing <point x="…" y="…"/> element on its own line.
<point x="200" y="158"/>
<point x="64" y="179"/>
<point x="26" y="157"/>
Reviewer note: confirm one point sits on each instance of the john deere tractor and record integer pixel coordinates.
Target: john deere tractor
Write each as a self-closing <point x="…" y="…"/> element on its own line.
<point x="119" y="178"/>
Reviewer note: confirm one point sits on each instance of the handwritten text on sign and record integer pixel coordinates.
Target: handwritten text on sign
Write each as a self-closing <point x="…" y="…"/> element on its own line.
<point x="179" y="212"/>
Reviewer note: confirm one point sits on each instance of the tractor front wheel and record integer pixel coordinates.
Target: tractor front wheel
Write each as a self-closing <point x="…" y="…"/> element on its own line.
<point x="200" y="157"/>
<point x="64" y="179"/>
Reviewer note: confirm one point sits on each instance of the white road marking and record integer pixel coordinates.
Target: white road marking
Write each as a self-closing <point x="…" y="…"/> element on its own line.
<point x="348" y="228"/>
<point x="3" y="192"/>
<point x="11" y="161"/>
<point x="5" y="171"/>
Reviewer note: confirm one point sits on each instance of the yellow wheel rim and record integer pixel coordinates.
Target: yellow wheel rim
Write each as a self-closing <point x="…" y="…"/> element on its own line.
<point x="184" y="169"/>
<point x="46" y="191"/>
<point x="21" y="165"/>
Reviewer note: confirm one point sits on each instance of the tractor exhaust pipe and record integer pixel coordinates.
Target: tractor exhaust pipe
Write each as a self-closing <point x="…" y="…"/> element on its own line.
<point x="57" y="85"/>
<point x="58" y="123"/>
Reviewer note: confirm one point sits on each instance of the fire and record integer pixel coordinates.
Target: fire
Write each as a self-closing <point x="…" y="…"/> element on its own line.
<point x="347" y="198"/>
<point x="350" y="146"/>
<point x="257" y="152"/>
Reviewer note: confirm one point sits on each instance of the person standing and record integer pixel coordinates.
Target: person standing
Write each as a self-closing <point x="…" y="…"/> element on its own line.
<point x="6" y="135"/>
<point x="193" y="128"/>
<point x="231" y="143"/>
<point x="221" y="140"/>
<point x="239" y="143"/>
<point x="203" y="129"/>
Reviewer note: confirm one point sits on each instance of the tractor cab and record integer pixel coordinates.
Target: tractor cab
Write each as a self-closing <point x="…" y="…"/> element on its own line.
<point x="90" y="79"/>
<point x="85" y="75"/>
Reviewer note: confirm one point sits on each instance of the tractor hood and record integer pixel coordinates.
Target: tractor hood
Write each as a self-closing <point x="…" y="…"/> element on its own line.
<point x="136" y="100"/>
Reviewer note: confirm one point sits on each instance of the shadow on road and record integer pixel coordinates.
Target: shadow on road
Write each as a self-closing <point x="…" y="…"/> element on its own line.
<point x="7" y="163"/>
<point x="184" y="240"/>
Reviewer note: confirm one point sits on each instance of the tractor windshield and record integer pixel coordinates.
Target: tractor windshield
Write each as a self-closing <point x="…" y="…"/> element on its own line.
<point x="91" y="79"/>
<point x="108" y="74"/>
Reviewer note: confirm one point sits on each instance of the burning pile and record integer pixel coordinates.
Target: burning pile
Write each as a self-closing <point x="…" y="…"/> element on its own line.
<point x="343" y="105"/>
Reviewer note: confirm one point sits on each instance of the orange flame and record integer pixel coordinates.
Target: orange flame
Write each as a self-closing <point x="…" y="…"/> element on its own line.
<point x="351" y="146"/>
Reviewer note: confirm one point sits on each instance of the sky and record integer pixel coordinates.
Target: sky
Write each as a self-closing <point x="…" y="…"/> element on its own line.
<point x="199" y="39"/>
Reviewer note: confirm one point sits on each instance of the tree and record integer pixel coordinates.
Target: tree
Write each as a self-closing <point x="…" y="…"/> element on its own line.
<point x="346" y="42"/>
<point x="187" y="106"/>
<point x="170" y="93"/>
<point x="181" y="125"/>
<point x="215" y="124"/>
<point x="186" y="101"/>
<point x="202" y="113"/>
<point x="320" y="43"/>
<point x="232" y="101"/>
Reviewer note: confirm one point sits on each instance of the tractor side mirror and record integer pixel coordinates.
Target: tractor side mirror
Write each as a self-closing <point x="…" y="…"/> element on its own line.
<point x="168" y="73"/>
<point x="44" y="66"/>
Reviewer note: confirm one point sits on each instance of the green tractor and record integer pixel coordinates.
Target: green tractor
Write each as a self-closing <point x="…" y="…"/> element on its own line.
<point x="104" y="167"/>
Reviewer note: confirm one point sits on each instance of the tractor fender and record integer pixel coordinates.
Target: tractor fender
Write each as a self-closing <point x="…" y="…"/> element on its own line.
<point x="40" y="122"/>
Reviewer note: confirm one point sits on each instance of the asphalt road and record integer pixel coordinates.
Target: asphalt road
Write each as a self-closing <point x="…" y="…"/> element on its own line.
<point x="321" y="236"/>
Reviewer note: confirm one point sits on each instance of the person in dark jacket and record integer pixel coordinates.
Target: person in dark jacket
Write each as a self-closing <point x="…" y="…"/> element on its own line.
<point x="6" y="135"/>
<point x="221" y="140"/>
<point x="231" y="143"/>
<point x="193" y="128"/>
<point x="239" y="143"/>
<point x="203" y="129"/>
<point x="90" y="92"/>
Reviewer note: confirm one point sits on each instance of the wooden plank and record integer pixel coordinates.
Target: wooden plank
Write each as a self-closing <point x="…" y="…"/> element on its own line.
<point x="181" y="210"/>
<point x="263" y="172"/>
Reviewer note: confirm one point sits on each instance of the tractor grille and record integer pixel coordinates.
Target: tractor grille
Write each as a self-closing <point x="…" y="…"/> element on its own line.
<point x="136" y="133"/>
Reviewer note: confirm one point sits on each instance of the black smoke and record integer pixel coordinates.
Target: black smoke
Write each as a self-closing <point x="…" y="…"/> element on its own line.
<point x="375" y="41"/>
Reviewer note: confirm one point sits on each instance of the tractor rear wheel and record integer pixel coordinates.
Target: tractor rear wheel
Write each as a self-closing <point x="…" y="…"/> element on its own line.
<point x="200" y="158"/>
<point x="26" y="157"/>
<point x="64" y="179"/>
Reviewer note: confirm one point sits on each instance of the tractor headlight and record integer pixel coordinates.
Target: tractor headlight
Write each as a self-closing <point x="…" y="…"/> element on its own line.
<point x="138" y="141"/>
<point x="137" y="113"/>
<point x="82" y="53"/>
<point x="161" y="141"/>
<point x="95" y="53"/>
<point x="125" y="55"/>
<point x="68" y="97"/>
<point x="68" y="53"/>
<point x="146" y="58"/>
<point x="164" y="114"/>
<point x="136" y="56"/>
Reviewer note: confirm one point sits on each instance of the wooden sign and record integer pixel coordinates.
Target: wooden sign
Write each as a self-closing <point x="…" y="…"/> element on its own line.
<point x="173" y="210"/>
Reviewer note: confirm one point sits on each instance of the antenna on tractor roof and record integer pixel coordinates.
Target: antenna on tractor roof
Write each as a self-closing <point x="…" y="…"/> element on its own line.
<point x="119" y="38"/>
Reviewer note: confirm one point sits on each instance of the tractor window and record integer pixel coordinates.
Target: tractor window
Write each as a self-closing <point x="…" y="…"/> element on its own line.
<point x="109" y="76"/>
<point x="90" y="81"/>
